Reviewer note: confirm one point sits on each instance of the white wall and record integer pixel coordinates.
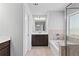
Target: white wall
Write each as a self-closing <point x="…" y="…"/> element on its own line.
<point x="11" y="24"/>
<point x="27" y="30"/>
<point x="55" y="23"/>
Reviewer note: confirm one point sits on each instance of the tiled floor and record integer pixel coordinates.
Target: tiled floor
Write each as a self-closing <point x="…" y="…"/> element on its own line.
<point x="40" y="51"/>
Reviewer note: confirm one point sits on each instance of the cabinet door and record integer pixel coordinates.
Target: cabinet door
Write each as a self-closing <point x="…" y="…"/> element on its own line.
<point x="5" y="49"/>
<point x="5" y="52"/>
<point x="39" y="40"/>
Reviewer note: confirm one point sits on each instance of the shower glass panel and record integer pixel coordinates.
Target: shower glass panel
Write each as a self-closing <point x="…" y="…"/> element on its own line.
<point x="72" y="40"/>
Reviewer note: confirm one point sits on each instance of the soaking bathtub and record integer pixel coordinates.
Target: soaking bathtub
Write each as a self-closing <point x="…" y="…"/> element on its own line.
<point x="55" y="46"/>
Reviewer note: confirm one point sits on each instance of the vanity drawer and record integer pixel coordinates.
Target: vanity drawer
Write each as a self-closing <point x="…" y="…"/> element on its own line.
<point x="4" y="44"/>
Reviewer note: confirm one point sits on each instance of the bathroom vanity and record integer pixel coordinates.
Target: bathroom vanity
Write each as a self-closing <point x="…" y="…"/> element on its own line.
<point x="4" y="46"/>
<point x="39" y="39"/>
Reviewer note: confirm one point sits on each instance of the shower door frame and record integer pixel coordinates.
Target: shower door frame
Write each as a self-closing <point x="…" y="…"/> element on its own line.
<point x="67" y="22"/>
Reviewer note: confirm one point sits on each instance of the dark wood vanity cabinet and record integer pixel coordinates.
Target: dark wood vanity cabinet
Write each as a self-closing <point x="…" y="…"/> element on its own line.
<point x="39" y="40"/>
<point x="5" y="48"/>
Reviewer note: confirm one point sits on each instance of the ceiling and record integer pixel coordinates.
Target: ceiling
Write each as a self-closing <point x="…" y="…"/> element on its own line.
<point x="45" y="7"/>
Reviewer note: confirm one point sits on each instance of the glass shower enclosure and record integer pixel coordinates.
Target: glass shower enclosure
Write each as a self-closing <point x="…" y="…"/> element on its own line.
<point x="72" y="30"/>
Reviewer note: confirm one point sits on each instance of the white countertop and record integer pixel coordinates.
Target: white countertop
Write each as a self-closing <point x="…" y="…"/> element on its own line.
<point x="39" y="33"/>
<point x="4" y="38"/>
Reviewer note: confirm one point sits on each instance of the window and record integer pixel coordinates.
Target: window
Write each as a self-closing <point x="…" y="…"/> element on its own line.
<point x="74" y="24"/>
<point x="40" y="23"/>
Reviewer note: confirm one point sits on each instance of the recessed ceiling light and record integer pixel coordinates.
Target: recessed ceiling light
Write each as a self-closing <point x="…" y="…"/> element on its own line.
<point x="35" y="4"/>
